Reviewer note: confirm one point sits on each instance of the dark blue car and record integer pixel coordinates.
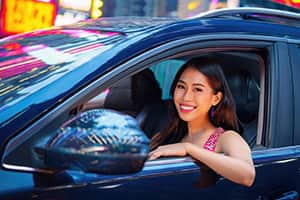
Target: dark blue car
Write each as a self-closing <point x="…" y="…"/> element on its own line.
<point x="80" y="103"/>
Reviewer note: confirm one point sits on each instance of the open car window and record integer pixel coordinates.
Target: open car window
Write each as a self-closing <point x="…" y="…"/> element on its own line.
<point x="146" y="95"/>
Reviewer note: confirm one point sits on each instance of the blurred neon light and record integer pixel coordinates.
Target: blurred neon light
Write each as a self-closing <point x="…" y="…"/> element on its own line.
<point x="11" y="63"/>
<point x="293" y="3"/>
<point x="26" y="15"/>
<point x="21" y="68"/>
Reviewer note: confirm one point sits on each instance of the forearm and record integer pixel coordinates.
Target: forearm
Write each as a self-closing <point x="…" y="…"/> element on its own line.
<point x="236" y="170"/>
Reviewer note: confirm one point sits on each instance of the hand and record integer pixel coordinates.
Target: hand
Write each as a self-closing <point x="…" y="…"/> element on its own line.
<point x="177" y="149"/>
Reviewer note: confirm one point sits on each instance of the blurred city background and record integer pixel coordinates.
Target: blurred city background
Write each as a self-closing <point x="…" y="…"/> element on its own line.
<point x="19" y="16"/>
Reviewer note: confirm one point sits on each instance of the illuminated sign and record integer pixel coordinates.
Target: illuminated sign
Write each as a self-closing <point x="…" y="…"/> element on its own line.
<point x="26" y="15"/>
<point x="96" y="8"/>
<point x="293" y="3"/>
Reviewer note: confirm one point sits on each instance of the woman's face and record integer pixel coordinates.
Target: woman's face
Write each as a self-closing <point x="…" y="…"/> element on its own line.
<point x="193" y="95"/>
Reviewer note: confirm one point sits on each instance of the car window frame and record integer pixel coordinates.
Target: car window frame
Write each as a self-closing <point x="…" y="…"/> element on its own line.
<point x="294" y="52"/>
<point x="278" y="68"/>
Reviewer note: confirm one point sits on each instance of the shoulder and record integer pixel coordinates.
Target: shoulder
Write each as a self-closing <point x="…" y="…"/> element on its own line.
<point x="232" y="141"/>
<point x="230" y="134"/>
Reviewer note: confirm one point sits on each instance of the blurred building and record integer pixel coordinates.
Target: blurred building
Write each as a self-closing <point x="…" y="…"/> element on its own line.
<point x="154" y="8"/>
<point x="71" y="11"/>
<point x="289" y="5"/>
<point x="189" y="8"/>
<point x="25" y="15"/>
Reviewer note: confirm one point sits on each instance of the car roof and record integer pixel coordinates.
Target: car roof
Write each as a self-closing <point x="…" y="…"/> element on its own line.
<point x="105" y="43"/>
<point x="125" y="24"/>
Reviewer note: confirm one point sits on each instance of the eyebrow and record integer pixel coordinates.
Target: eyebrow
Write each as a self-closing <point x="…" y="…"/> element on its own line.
<point x="194" y="84"/>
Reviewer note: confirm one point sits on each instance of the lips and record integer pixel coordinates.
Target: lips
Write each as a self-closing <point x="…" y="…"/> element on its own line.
<point x="186" y="108"/>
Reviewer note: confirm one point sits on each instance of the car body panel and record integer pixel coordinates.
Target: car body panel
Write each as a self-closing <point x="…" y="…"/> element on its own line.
<point x="159" y="178"/>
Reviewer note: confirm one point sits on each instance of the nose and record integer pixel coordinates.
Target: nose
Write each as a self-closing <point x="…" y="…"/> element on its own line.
<point x="188" y="95"/>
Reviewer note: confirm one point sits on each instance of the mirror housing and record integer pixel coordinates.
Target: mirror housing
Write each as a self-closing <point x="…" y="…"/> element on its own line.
<point x="102" y="141"/>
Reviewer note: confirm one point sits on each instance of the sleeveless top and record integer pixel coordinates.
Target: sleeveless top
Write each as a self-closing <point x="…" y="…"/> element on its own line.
<point x="210" y="144"/>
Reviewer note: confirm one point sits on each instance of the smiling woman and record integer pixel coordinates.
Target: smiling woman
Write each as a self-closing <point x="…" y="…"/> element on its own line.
<point x="204" y="123"/>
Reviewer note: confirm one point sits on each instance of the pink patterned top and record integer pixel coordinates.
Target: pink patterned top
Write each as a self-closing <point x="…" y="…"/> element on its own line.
<point x="210" y="144"/>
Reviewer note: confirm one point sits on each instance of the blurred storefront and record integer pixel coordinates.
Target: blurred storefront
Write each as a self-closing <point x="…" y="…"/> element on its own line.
<point x="25" y="15"/>
<point x="155" y="8"/>
<point x="189" y="8"/>
<point x="71" y="11"/>
<point x="19" y="16"/>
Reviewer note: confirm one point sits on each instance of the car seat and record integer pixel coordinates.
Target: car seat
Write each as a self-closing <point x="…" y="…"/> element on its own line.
<point x="131" y="94"/>
<point x="246" y="95"/>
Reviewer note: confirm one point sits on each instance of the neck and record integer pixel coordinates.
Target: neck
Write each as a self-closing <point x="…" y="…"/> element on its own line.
<point x="199" y="126"/>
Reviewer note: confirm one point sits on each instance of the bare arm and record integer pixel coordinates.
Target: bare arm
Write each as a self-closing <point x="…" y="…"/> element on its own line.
<point x="236" y="163"/>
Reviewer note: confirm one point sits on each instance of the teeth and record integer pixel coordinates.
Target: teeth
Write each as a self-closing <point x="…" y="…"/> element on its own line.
<point x="187" y="107"/>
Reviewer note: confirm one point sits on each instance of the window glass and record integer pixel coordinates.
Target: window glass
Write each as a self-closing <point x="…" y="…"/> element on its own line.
<point x="165" y="72"/>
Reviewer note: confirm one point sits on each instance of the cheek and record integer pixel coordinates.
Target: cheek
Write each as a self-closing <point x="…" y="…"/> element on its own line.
<point x="176" y="95"/>
<point x="204" y="100"/>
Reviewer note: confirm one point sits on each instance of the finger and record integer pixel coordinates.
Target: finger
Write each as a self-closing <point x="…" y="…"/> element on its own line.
<point x="154" y="155"/>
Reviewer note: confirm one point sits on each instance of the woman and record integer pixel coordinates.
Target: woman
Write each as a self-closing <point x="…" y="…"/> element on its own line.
<point x="203" y="123"/>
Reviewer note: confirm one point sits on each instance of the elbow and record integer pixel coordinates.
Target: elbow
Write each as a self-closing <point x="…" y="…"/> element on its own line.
<point x="249" y="178"/>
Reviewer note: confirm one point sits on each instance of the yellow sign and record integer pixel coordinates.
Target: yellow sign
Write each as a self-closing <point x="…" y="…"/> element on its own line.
<point x="96" y="9"/>
<point x="27" y="15"/>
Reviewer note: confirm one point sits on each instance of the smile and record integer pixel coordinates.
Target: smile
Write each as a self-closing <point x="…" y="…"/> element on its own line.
<point x="186" y="108"/>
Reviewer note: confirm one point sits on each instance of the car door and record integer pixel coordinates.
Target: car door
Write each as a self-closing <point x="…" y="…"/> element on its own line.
<point x="275" y="157"/>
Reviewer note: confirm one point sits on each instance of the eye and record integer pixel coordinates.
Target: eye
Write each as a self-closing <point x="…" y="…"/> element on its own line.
<point x="180" y="86"/>
<point x="198" y="90"/>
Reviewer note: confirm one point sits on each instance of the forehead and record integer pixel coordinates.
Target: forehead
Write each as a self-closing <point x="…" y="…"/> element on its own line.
<point x="193" y="76"/>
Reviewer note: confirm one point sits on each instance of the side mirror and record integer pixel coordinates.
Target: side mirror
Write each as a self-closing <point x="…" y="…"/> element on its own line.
<point x="101" y="141"/>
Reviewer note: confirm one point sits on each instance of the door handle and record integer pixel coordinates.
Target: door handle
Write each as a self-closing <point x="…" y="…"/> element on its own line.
<point x="290" y="195"/>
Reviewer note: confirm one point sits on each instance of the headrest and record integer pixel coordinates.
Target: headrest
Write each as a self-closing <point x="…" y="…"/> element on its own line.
<point x="131" y="94"/>
<point x="244" y="85"/>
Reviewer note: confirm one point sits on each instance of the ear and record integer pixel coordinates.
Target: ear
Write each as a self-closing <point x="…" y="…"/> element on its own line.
<point x="217" y="98"/>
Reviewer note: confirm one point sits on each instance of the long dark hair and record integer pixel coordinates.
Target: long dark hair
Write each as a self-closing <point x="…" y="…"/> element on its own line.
<point x="224" y="112"/>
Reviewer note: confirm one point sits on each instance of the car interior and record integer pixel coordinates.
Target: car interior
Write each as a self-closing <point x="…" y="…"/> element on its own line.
<point x="146" y="97"/>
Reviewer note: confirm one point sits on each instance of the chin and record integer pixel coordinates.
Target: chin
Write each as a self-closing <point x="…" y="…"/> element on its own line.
<point x="186" y="118"/>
